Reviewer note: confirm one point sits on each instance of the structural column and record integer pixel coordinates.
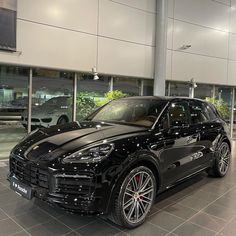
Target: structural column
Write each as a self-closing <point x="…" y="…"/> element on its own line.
<point x="74" y="96"/>
<point x="161" y="45"/>
<point x="29" y="100"/>
<point x="232" y="114"/>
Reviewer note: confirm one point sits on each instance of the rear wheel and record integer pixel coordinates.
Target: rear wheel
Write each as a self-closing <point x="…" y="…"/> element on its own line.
<point x="222" y="161"/>
<point x="134" y="198"/>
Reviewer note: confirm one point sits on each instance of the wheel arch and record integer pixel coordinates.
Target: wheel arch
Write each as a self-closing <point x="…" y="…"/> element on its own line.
<point x="142" y="160"/>
<point x="63" y="116"/>
<point x="227" y="140"/>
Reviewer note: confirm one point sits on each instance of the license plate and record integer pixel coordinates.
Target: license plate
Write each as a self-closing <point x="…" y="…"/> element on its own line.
<point x="21" y="188"/>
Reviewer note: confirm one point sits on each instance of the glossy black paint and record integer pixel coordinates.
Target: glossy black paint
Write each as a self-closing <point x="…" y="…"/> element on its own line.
<point x="172" y="153"/>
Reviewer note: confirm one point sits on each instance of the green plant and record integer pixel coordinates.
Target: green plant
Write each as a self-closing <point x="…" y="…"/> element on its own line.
<point x="112" y="95"/>
<point x="221" y="107"/>
<point x="85" y="105"/>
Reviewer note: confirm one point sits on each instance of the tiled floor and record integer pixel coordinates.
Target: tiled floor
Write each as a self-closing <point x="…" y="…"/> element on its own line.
<point x="202" y="206"/>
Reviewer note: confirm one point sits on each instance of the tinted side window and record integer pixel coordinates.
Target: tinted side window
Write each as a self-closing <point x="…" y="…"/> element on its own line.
<point x="211" y="113"/>
<point x="198" y="112"/>
<point x="178" y="114"/>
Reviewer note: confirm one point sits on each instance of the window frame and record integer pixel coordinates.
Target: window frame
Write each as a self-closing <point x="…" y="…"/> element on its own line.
<point x="166" y="114"/>
<point x="202" y="105"/>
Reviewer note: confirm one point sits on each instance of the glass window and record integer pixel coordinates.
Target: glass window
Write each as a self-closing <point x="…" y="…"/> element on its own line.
<point x="203" y="91"/>
<point x="51" y="98"/>
<point x="198" y="112"/>
<point x="224" y="93"/>
<point x="178" y="114"/>
<point x="141" y="112"/>
<point x="90" y="94"/>
<point x="167" y="89"/>
<point x="129" y="86"/>
<point x="13" y="102"/>
<point x="87" y="84"/>
<point x="148" y="87"/>
<point x="211" y="112"/>
<point x="179" y="89"/>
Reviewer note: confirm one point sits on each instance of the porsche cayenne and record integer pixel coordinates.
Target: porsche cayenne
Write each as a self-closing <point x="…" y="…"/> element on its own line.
<point x="120" y="157"/>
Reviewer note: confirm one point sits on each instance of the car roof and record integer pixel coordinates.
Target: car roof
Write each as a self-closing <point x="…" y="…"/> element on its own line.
<point x="163" y="98"/>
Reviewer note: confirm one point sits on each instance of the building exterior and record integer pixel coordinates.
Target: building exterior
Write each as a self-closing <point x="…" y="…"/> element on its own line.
<point x="60" y="43"/>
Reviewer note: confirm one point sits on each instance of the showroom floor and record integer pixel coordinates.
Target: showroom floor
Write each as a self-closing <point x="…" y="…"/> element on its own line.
<point x="201" y="206"/>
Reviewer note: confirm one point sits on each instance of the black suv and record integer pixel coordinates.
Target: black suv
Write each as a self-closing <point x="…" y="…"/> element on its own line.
<point x="117" y="160"/>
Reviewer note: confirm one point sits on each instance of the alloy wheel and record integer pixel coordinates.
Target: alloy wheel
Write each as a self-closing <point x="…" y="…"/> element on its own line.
<point x="224" y="161"/>
<point x="138" y="197"/>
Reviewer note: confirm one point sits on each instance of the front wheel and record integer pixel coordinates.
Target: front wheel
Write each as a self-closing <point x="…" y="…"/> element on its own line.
<point x="62" y="120"/>
<point x="134" y="198"/>
<point x="222" y="161"/>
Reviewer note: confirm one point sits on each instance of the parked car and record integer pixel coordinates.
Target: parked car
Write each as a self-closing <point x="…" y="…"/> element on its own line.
<point x="55" y="111"/>
<point x="122" y="156"/>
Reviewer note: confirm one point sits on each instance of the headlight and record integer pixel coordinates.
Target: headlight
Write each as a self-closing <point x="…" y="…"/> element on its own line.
<point x="94" y="154"/>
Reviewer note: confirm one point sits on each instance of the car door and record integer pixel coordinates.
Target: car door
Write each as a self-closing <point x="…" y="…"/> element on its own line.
<point x="207" y="127"/>
<point x="178" y="139"/>
<point x="201" y="127"/>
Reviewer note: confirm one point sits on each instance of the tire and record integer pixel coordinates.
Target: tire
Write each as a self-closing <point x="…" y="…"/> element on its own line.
<point x="222" y="161"/>
<point x="130" y="205"/>
<point x="62" y="120"/>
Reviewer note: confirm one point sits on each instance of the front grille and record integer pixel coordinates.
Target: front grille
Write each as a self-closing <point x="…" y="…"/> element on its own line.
<point x="81" y="185"/>
<point x="28" y="172"/>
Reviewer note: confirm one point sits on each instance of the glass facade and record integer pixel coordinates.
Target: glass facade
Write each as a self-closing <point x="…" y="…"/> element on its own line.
<point x="53" y="98"/>
<point x="203" y="91"/>
<point x="53" y="95"/>
<point x="178" y="89"/>
<point x="13" y="102"/>
<point x="147" y="87"/>
<point x="129" y="86"/>
<point x="90" y="94"/>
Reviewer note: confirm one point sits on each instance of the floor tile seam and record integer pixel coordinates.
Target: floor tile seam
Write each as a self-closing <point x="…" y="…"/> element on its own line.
<point x="24" y="212"/>
<point x="204" y="227"/>
<point x="82" y="226"/>
<point x="208" y="191"/>
<point x="18" y="233"/>
<point x="114" y="227"/>
<point x="158" y="226"/>
<point x="4" y="219"/>
<point x="23" y="229"/>
<point x="228" y="222"/>
<point x="53" y="217"/>
<point x="171" y="234"/>
<point x="188" y="220"/>
<point x="72" y="232"/>
<point x="191" y="221"/>
<point x="7" y="186"/>
<point x="36" y="225"/>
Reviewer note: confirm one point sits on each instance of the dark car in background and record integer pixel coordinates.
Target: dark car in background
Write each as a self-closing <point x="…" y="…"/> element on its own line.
<point x="117" y="160"/>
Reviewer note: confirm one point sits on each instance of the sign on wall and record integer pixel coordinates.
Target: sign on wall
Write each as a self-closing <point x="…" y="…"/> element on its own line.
<point x="8" y="10"/>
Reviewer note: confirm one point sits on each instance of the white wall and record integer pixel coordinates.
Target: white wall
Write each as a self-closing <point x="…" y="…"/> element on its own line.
<point x="118" y="37"/>
<point x="210" y="28"/>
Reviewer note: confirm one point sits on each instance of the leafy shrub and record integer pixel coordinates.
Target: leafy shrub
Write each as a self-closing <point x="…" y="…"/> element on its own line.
<point x="85" y="105"/>
<point x="221" y="107"/>
<point x="112" y="95"/>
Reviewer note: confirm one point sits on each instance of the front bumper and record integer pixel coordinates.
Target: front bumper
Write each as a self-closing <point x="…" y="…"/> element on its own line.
<point x="38" y="122"/>
<point x="75" y="191"/>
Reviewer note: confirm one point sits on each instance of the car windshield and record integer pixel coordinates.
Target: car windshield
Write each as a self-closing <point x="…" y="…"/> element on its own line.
<point x="140" y="112"/>
<point x="57" y="101"/>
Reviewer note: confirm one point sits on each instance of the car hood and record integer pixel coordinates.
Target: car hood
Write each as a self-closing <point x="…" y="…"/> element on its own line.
<point x="43" y="111"/>
<point x="57" y="140"/>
